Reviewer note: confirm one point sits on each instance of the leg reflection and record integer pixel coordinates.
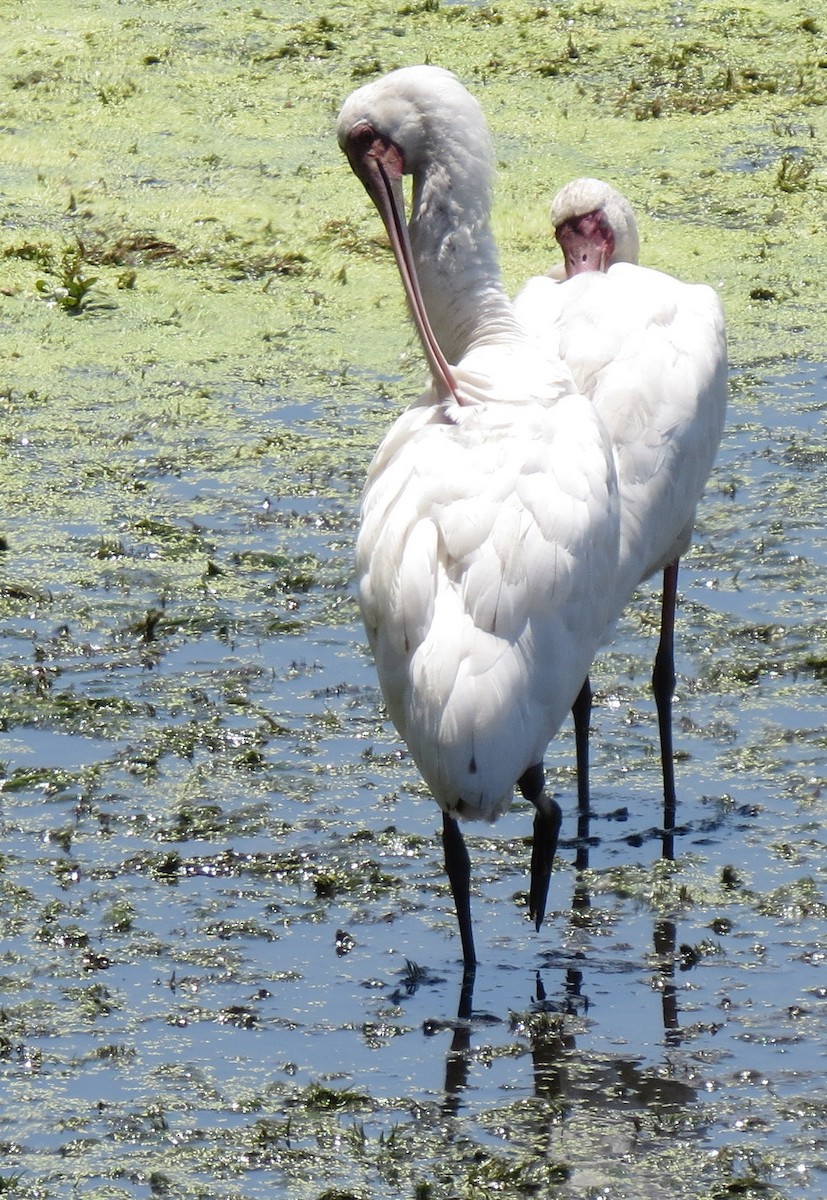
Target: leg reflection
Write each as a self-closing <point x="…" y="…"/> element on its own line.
<point x="456" y="1062"/>
<point x="545" y="1027"/>
<point x="665" y="937"/>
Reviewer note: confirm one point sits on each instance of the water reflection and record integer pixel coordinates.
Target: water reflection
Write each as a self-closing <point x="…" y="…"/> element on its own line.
<point x="458" y="1060"/>
<point x="665" y="940"/>
<point x="197" y="862"/>
<point x="558" y="1074"/>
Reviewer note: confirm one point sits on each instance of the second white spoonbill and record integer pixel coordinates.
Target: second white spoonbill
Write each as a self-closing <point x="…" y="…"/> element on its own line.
<point x="650" y="352"/>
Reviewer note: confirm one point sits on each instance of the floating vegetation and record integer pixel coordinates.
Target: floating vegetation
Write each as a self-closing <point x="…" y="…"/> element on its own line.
<point x="72" y="286"/>
<point x="228" y="958"/>
<point x="793" y="173"/>
<point x="320" y="1098"/>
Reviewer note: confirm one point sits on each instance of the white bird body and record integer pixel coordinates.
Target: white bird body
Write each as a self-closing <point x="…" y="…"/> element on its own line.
<point x="490" y="517"/>
<point x="650" y="353"/>
<point x="485" y="558"/>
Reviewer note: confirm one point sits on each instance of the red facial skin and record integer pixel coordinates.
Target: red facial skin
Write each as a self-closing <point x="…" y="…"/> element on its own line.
<point x="587" y="243"/>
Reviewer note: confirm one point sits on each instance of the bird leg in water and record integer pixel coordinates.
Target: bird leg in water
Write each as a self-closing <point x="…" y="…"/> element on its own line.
<point x="663" y="685"/>
<point x="581" y="710"/>
<point x="546" y="829"/>
<point x="458" y="867"/>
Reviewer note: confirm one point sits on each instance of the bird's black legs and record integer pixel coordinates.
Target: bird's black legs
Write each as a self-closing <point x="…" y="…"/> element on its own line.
<point x="458" y="867"/>
<point x="544" y="846"/>
<point x="581" y="710"/>
<point x="546" y="829"/>
<point x="663" y="685"/>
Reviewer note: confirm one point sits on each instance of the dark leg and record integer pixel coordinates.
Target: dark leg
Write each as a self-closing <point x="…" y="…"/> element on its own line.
<point x="581" y="710"/>
<point x="458" y="866"/>
<point x="663" y="684"/>
<point x="546" y="829"/>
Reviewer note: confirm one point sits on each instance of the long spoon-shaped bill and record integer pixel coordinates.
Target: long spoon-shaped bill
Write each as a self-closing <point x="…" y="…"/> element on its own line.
<point x="380" y="166"/>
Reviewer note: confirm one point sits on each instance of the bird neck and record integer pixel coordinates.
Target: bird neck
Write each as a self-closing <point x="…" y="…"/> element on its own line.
<point x="456" y="256"/>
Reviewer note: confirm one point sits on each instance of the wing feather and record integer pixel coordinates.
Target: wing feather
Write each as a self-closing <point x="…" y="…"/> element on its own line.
<point x="486" y="554"/>
<point x="649" y="351"/>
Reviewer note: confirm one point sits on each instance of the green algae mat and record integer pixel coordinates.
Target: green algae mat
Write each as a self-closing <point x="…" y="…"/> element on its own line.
<point x="178" y="225"/>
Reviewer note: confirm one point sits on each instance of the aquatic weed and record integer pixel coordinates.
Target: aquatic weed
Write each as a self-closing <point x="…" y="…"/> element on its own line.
<point x="312" y="38"/>
<point x="41" y="253"/>
<point x="320" y="1098"/>
<point x="746" y="1172"/>
<point x="71" y="292"/>
<point x="793" y="173"/>
<point x="104" y="247"/>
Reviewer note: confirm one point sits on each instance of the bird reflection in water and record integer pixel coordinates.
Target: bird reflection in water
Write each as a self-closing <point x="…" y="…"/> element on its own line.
<point x="548" y="1024"/>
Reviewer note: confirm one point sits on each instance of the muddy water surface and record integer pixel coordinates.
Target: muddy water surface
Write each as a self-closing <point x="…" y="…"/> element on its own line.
<point x="229" y="964"/>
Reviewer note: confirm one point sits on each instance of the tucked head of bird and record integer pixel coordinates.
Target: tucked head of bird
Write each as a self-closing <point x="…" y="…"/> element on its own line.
<point x="419" y="121"/>
<point x="427" y="116"/>
<point x="594" y="225"/>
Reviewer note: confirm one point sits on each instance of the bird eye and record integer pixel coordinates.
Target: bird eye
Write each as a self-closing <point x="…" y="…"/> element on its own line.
<point x="362" y="137"/>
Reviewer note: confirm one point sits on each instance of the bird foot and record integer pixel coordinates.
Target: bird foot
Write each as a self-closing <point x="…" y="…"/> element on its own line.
<point x="546" y="830"/>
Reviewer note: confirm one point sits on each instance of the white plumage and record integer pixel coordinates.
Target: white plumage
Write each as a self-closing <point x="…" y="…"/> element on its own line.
<point x="650" y="353"/>
<point x="489" y="538"/>
<point x="479" y="548"/>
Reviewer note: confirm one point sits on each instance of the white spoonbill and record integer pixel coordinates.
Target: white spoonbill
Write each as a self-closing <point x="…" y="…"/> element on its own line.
<point x="650" y="352"/>
<point x="489" y="531"/>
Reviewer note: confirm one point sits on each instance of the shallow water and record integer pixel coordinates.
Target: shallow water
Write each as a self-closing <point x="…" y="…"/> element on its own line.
<point x="229" y="957"/>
